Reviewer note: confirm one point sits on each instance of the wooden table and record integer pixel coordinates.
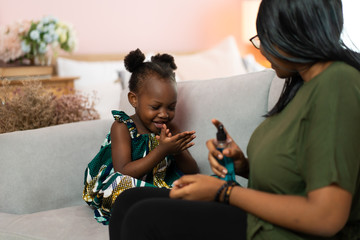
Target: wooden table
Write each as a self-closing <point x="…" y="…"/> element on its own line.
<point x="55" y="84"/>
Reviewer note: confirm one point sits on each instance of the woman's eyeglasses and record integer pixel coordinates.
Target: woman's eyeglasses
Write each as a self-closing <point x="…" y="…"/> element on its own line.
<point x="255" y="41"/>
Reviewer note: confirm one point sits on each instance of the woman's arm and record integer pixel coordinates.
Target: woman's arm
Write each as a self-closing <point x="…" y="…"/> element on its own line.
<point x="322" y="212"/>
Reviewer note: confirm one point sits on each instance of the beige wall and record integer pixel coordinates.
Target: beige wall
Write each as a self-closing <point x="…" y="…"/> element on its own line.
<point x="117" y="26"/>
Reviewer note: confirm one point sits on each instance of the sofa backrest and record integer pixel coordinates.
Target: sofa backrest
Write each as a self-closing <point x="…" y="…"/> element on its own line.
<point x="43" y="169"/>
<point x="239" y="102"/>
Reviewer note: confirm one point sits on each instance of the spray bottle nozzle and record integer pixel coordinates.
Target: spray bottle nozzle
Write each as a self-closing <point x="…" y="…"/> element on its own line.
<point x="221" y="135"/>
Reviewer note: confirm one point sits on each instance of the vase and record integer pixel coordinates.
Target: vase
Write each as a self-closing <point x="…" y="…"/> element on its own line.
<point x="43" y="59"/>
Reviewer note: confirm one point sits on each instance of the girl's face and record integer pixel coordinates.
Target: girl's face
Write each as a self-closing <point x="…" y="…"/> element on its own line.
<point x="154" y="104"/>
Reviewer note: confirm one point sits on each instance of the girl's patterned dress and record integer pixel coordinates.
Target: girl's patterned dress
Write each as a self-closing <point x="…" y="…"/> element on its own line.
<point x="103" y="184"/>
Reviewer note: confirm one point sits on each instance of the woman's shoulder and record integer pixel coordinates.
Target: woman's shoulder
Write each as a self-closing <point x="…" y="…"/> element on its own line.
<point x="338" y="74"/>
<point x="338" y="82"/>
<point x="343" y="69"/>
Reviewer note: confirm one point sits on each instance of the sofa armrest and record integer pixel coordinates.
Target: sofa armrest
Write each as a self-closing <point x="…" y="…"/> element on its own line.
<point x="43" y="169"/>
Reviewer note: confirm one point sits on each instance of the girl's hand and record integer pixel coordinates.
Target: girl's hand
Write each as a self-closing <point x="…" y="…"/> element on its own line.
<point x="177" y="143"/>
<point x="232" y="151"/>
<point x="196" y="187"/>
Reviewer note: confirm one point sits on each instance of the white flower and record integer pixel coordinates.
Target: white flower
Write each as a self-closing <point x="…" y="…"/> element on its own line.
<point x="48" y="38"/>
<point x="25" y="47"/>
<point x="45" y="20"/>
<point x="35" y="35"/>
<point x="51" y="27"/>
<point x="40" y="26"/>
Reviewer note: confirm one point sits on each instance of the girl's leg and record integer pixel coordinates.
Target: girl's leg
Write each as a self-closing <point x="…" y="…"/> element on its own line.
<point x="164" y="218"/>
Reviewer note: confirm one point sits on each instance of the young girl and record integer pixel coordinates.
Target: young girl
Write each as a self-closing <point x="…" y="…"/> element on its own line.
<point x="144" y="149"/>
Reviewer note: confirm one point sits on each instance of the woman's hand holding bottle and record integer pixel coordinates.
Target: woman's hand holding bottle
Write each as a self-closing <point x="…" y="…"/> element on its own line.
<point x="232" y="151"/>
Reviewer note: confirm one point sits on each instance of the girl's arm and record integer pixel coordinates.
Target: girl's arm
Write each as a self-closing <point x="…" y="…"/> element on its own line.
<point x="322" y="212"/>
<point x="121" y="151"/>
<point x="186" y="163"/>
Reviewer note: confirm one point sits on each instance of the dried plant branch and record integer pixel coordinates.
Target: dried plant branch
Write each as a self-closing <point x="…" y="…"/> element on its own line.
<point x="31" y="106"/>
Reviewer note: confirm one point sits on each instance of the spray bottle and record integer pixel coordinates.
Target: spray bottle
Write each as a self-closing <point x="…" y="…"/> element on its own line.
<point x="226" y="161"/>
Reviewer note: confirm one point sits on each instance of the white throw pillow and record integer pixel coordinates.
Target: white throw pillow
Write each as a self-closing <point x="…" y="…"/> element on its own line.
<point x="100" y="77"/>
<point x="251" y="64"/>
<point x="222" y="60"/>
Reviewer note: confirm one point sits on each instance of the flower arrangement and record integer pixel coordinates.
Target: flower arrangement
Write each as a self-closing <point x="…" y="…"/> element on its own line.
<point x="10" y="40"/>
<point x="36" y="40"/>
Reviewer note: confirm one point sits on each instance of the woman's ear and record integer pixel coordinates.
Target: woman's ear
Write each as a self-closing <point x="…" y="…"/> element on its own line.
<point x="132" y="99"/>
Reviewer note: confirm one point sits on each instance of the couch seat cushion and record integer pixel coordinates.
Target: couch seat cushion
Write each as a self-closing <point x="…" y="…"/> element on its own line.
<point x="65" y="223"/>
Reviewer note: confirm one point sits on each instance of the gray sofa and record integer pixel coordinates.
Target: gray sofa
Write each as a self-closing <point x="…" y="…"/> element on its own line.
<point x="41" y="170"/>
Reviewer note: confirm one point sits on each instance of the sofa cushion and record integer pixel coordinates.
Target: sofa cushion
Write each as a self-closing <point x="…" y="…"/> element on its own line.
<point x="66" y="223"/>
<point x="238" y="101"/>
<point x="221" y="60"/>
<point x="100" y="77"/>
<point x="44" y="168"/>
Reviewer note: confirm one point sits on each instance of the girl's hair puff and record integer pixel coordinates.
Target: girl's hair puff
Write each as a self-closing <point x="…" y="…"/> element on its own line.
<point x="162" y="65"/>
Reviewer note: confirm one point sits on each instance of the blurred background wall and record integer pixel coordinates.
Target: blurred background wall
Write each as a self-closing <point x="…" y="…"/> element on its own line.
<point x="117" y="26"/>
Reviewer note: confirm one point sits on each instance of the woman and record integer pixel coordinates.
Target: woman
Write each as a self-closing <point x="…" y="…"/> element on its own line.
<point x="303" y="160"/>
